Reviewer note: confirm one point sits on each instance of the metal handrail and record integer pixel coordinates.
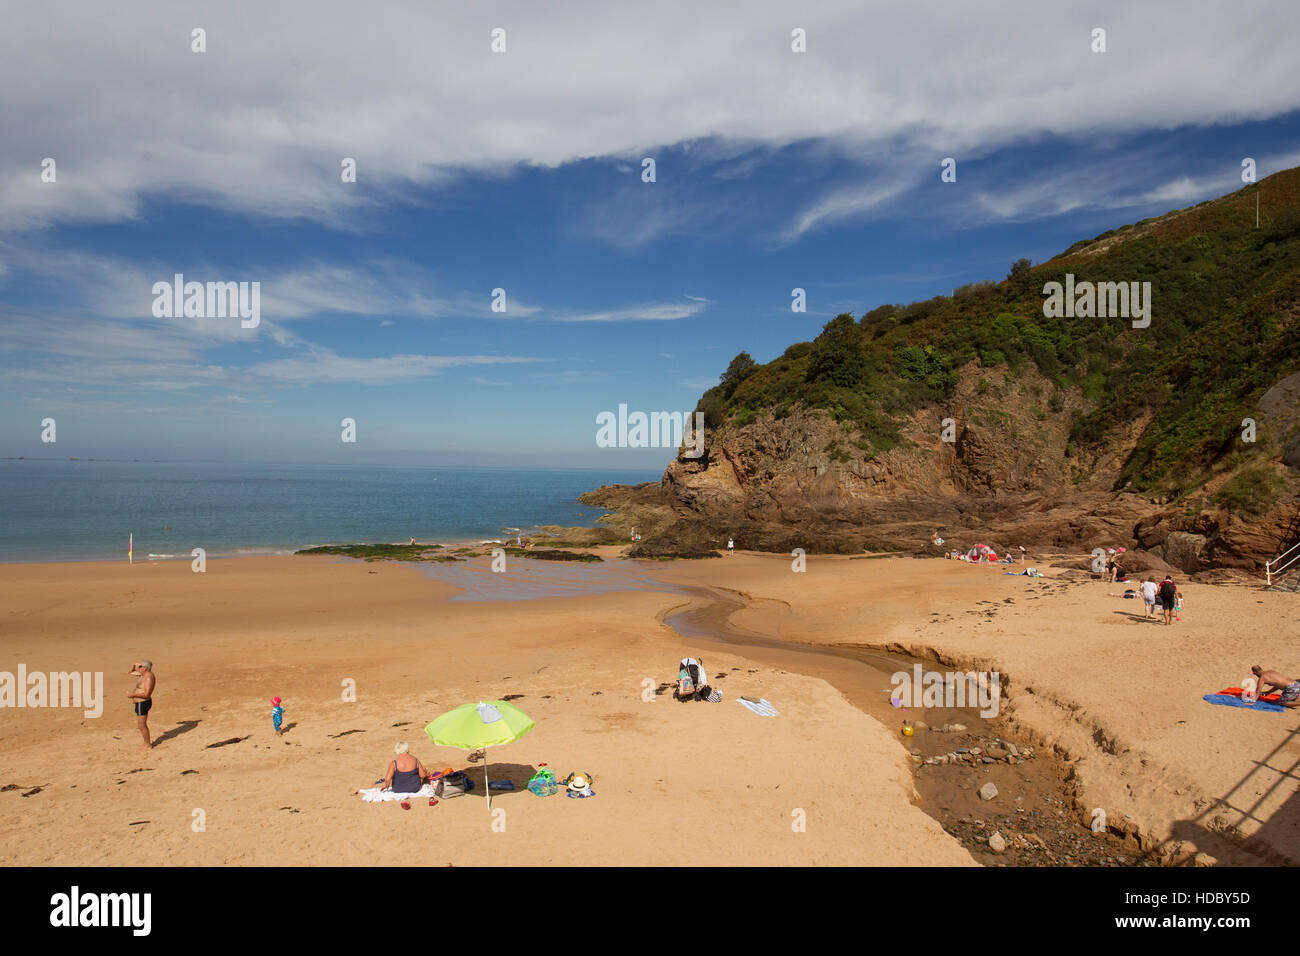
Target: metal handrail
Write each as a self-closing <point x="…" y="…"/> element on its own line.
<point x="1270" y="570"/>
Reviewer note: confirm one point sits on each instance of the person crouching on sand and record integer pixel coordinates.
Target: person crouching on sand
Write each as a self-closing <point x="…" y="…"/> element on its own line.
<point x="142" y="697"/>
<point x="693" y="682"/>
<point x="1270" y="681"/>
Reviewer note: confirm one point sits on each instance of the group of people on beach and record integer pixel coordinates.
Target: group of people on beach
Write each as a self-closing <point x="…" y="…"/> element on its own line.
<point x="1163" y="597"/>
<point x="1160" y="599"/>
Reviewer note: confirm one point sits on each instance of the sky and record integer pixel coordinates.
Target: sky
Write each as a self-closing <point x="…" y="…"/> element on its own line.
<point x="523" y="169"/>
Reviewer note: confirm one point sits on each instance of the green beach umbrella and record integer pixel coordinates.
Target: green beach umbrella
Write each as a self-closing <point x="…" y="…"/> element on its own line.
<point x="479" y="726"/>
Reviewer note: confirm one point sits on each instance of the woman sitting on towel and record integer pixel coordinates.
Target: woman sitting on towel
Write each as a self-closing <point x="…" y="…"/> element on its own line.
<point x="692" y="682"/>
<point x="405" y="773"/>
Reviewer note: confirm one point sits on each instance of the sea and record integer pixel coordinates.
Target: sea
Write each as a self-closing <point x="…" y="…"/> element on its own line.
<point x="87" y="510"/>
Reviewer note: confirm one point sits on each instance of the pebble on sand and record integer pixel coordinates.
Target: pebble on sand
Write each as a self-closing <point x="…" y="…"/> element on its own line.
<point x="997" y="843"/>
<point x="988" y="791"/>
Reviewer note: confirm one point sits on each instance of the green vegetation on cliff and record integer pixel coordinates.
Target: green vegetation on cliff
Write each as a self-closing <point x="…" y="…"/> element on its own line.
<point x="1225" y="300"/>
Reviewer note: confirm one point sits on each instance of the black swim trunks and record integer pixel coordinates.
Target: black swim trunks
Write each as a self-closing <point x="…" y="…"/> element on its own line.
<point x="142" y="707"/>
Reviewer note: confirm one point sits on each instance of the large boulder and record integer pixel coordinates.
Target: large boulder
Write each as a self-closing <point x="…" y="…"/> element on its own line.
<point x="1183" y="550"/>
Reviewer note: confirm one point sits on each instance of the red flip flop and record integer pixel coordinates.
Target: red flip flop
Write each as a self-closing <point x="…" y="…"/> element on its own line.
<point x="433" y="801"/>
<point x="406" y="804"/>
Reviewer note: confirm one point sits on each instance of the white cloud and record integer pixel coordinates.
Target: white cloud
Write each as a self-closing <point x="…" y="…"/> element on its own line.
<point x="260" y="123"/>
<point x="324" y="366"/>
<point x="655" y="312"/>
<point x="851" y="203"/>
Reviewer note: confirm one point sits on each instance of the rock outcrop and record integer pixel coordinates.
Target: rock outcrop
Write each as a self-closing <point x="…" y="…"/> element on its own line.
<point x="1008" y="477"/>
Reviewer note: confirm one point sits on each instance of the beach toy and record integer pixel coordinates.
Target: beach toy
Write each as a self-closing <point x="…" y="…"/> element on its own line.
<point x="543" y="783"/>
<point x="908" y="729"/>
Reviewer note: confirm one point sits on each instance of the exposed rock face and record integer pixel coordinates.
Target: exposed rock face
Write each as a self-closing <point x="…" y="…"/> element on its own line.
<point x="1008" y="477"/>
<point x="1279" y="409"/>
<point x="1183" y="550"/>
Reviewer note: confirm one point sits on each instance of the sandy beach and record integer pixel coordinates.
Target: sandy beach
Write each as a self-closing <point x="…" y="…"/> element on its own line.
<point x="694" y="783"/>
<point x="675" y="783"/>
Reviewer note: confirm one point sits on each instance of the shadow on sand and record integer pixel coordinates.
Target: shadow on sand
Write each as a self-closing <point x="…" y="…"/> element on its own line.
<point x="184" y="727"/>
<point x="517" y="773"/>
<point x="1276" y="837"/>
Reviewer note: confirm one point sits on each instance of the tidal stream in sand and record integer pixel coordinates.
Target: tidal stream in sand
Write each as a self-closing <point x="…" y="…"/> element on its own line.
<point x="1034" y="801"/>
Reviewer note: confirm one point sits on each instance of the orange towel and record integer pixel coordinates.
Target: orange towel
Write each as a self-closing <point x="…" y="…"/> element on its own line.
<point x="1237" y="692"/>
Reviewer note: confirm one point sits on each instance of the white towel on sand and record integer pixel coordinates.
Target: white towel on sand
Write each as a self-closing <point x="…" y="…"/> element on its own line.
<point x="762" y="708"/>
<point x="376" y="795"/>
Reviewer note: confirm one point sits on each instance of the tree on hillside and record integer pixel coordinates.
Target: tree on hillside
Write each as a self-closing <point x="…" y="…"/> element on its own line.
<point x="741" y="367"/>
<point x="1019" y="268"/>
<point x="836" y="355"/>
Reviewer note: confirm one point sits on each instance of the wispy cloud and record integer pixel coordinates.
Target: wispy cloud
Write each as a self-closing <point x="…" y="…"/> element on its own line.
<point x="854" y="202"/>
<point x="322" y="366"/>
<point x="654" y="312"/>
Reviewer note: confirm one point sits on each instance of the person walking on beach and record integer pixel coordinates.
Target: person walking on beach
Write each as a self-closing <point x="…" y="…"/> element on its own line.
<point x="1149" y="590"/>
<point x="142" y="697"/>
<point x="1270" y="681"/>
<point x="731" y="546"/>
<point x="1168" y="597"/>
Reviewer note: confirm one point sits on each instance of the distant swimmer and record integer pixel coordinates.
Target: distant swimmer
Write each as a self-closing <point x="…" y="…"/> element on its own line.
<point x="412" y="540"/>
<point x="142" y="697"/>
<point x="1270" y="681"/>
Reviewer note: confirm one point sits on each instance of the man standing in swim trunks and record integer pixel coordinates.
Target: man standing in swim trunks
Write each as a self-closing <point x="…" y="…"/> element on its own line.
<point x="1270" y="681"/>
<point x="142" y="697"/>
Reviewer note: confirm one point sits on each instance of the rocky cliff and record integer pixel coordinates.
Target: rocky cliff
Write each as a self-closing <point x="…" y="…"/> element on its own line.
<point x="1185" y="450"/>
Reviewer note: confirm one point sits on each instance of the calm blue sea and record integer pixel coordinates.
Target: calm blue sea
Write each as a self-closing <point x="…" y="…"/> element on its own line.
<point x="84" y="510"/>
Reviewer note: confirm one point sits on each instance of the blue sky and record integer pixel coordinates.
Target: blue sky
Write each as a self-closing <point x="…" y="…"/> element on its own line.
<point x="522" y="171"/>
